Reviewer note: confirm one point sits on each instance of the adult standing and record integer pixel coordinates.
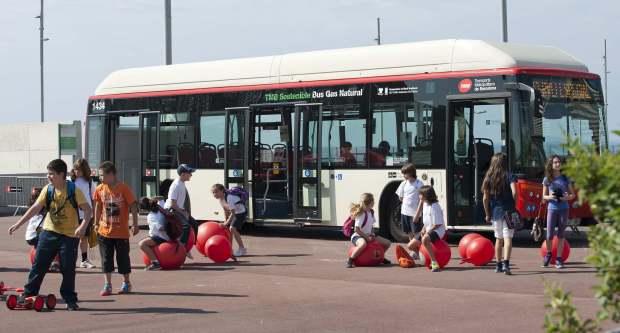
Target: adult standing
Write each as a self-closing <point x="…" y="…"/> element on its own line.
<point x="176" y="201"/>
<point x="499" y="192"/>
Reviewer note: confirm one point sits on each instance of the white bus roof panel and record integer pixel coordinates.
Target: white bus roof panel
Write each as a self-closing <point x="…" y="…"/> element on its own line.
<point x="439" y="56"/>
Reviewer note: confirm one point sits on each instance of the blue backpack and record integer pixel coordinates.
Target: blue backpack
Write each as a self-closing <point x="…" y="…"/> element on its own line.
<point x="49" y="196"/>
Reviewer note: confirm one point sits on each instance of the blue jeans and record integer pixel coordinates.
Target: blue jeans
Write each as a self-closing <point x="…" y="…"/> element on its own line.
<point x="50" y="244"/>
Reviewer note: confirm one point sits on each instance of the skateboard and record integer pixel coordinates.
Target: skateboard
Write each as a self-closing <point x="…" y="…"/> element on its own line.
<point x="37" y="303"/>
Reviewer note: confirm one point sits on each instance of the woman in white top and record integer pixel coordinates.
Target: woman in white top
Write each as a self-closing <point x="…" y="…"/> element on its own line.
<point x="364" y="220"/>
<point x="81" y="178"/>
<point x="434" y="226"/>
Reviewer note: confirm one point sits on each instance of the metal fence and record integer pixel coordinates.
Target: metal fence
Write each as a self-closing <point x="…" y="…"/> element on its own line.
<point x="16" y="191"/>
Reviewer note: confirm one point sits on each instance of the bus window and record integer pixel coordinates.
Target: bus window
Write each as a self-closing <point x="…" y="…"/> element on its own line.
<point x="401" y="132"/>
<point x="176" y="140"/>
<point x="212" y="135"/>
<point x="344" y="136"/>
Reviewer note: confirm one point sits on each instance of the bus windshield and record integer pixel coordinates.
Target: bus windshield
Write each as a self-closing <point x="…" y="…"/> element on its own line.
<point x="566" y="108"/>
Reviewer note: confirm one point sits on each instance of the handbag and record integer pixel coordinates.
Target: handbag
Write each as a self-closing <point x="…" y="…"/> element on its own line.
<point x="92" y="236"/>
<point x="538" y="227"/>
<point x="513" y="220"/>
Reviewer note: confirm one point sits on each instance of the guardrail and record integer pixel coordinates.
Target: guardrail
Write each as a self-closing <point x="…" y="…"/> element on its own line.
<point x="16" y="191"/>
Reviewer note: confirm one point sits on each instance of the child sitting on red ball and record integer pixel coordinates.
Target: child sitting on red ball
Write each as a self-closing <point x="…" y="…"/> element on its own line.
<point x="157" y="230"/>
<point x="434" y="228"/>
<point x="364" y="218"/>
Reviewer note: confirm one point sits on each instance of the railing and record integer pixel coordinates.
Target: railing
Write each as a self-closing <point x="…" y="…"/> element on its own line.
<point x="16" y="191"/>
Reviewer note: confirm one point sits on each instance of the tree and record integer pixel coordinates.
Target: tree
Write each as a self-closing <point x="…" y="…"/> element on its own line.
<point x="597" y="176"/>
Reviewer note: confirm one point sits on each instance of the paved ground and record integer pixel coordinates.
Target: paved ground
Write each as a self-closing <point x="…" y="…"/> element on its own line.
<point x="296" y="281"/>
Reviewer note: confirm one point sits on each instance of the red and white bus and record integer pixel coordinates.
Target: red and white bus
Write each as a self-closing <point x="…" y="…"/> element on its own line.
<point x="306" y="133"/>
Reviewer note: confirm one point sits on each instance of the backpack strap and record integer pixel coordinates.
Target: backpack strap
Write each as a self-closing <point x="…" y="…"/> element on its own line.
<point x="71" y="194"/>
<point x="51" y="191"/>
<point x="49" y="196"/>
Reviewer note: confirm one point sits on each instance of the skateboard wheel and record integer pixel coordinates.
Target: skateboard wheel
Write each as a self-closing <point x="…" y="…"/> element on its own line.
<point x="50" y="301"/>
<point x="38" y="304"/>
<point x="11" y="302"/>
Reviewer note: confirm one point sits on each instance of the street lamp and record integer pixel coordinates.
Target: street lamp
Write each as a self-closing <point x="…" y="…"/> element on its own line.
<point x="41" y="41"/>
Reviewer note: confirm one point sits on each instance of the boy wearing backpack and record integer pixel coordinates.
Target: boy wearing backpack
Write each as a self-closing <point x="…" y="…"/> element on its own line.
<point x="61" y="233"/>
<point x="113" y="201"/>
<point x="233" y="202"/>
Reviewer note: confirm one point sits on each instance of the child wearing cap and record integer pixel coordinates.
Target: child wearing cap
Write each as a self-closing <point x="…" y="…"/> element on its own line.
<point x="176" y="201"/>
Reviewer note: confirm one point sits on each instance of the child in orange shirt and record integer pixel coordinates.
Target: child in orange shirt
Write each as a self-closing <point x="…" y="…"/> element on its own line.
<point x="113" y="202"/>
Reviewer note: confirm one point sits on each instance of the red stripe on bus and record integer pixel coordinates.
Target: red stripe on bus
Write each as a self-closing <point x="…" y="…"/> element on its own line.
<point x="335" y="82"/>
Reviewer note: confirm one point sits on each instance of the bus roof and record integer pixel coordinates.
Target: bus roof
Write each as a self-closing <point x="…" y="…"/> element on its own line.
<point x="440" y="56"/>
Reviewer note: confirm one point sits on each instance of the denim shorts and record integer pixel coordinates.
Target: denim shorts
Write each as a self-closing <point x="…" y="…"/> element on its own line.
<point x="158" y="240"/>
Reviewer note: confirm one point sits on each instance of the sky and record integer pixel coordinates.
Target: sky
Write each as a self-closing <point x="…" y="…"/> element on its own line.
<point x="90" y="39"/>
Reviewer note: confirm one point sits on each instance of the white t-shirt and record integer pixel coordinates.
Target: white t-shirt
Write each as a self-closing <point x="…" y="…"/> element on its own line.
<point x="157" y="225"/>
<point x="235" y="204"/>
<point x="33" y="223"/>
<point x="409" y="192"/>
<point x="89" y="193"/>
<point x="177" y="192"/>
<point x="359" y="222"/>
<point x="432" y="215"/>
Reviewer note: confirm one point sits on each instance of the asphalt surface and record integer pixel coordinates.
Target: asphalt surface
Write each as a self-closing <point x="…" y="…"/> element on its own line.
<point x="295" y="281"/>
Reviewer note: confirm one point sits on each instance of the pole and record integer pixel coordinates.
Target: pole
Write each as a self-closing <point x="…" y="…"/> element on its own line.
<point x="378" y="39"/>
<point x="504" y="22"/>
<point x="168" y="10"/>
<point x="605" y="96"/>
<point x="41" y="41"/>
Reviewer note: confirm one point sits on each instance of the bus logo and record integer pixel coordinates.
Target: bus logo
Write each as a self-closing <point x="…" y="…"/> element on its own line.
<point x="465" y="86"/>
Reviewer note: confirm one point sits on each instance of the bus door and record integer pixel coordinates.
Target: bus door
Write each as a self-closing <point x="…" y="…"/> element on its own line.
<point x="149" y="153"/>
<point x="235" y="148"/>
<point x="271" y="158"/>
<point x="307" y="169"/>
<point x="280" y="159"/>
<point x="477" y="130"/>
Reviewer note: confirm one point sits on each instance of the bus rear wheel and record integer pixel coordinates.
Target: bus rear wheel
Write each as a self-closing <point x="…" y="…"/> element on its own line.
<point x="396" y="229"/>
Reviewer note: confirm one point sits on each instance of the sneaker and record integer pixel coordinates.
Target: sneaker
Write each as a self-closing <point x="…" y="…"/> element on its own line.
<point x="106" y="291"/>
<point x="350" y="263"/>
<point x="434" y="267"/>
<point x="558" y="263"/>
<point x="241" y="252"/>
<point x="125" y="288"/>
<point x="415" y="255"/>
<point x="72" y="307"/>
<point x="87" y="264"/>
<point x="189" y="255"/>
<point x="154" y="266"/>
<point x="506" y="267"/>
<point x="499" y="268"/>
<point x="55" y="267"/>
<point x="546" y="260"/>
<point x="386" y="261"/>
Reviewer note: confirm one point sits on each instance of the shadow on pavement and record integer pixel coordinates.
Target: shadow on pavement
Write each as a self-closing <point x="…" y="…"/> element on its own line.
<point x="147" y="310"/>
<point x="277" y="255"/>
<point x="193" y="294"/>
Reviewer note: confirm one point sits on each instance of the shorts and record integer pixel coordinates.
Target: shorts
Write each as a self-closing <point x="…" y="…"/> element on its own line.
<point x="354" y="239"/>
<point x="409" y="226"/>
<point x="107" y="248"/>
<point x="157" y="240"/>
<point x="501" y="230"/>
<point x="33" y="242"/>
<point x="556" y="218"/>
<point x="433" y="236"/>
<point x="239" y="220"/>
